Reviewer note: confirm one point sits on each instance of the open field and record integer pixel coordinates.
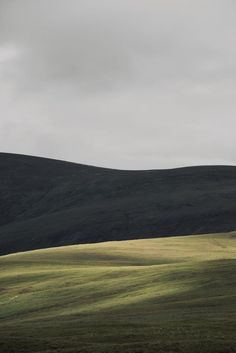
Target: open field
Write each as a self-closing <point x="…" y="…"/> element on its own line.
<point x="157" y="295"/>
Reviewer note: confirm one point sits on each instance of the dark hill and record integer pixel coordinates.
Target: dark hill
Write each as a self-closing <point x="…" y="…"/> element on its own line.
<point x="45" y="203"/>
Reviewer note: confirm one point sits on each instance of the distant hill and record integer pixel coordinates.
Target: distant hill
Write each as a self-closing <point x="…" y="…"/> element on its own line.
<point x="45" y="203"/>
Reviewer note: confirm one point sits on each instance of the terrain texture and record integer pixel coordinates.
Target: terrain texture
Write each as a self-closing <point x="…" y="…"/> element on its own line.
<point x="46" y="203"/>
<point x="169" y="295"/>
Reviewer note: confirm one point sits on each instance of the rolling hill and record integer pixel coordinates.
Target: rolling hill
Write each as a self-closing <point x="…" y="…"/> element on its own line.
<point x="46" y="203"/>
<point x="169" y="295"/>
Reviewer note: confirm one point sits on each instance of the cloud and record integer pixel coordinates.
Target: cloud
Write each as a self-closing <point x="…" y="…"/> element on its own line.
<point x="128" y="84"/>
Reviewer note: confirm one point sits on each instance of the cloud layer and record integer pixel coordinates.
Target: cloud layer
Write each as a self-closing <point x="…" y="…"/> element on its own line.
<point x="128" y="84"/>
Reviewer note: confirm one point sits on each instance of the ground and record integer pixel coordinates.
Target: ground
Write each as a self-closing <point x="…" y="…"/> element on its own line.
<point x="169" y="295"/>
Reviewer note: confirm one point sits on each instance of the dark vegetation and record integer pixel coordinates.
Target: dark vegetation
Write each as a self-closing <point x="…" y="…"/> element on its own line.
<point x="45" y="203"/>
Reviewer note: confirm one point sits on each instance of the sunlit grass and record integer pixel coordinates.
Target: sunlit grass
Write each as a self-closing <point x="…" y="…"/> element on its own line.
<point x="158" y="295"/>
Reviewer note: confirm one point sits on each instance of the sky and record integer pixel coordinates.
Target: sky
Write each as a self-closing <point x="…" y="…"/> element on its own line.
<point x="128" y="84"/>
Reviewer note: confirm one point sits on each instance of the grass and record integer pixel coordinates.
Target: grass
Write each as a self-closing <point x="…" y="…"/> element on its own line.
<point x="175" y="295"/>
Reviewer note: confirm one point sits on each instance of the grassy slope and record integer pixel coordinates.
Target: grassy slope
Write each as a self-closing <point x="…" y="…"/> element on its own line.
<point x="156" y="295"/>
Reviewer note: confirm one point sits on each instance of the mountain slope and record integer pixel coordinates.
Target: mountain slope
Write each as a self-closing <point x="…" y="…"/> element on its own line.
<point x="172" y="295"/>
<point x="46" y="203"/>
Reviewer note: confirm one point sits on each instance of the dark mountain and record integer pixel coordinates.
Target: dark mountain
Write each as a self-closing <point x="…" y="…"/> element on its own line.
<point x="45" y="203"/>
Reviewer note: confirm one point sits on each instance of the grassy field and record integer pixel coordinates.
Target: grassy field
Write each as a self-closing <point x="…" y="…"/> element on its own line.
<point x="158" y="295"/>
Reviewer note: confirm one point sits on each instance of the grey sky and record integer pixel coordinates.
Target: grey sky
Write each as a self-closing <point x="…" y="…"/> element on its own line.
<point x="127" y="84"/>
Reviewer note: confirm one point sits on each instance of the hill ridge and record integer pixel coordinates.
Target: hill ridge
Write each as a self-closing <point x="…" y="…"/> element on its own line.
<point x="46" y="202"/>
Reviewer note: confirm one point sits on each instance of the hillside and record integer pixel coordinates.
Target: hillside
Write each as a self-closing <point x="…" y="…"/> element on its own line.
<point x="46" y="203"/>
<point x="170" y="295"/>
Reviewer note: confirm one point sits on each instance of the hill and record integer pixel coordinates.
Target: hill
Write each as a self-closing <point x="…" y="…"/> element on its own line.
<point x="46" y="203"/>
<point x="169" y="295"/>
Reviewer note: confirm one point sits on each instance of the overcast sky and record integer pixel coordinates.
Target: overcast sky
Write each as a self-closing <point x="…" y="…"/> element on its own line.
<point x="129" y="84"/>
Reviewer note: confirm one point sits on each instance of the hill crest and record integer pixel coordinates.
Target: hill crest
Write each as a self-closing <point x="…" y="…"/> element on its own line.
<point x="46" y="203"/>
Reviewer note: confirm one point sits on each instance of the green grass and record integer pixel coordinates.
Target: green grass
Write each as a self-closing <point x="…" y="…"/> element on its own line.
<point x="158" y="295"/>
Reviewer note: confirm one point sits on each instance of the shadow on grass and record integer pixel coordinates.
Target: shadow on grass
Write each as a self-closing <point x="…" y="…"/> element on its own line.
<point x="198" y="318"/>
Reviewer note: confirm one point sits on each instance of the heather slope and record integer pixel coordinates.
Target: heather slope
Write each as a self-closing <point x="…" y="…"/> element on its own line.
<point x="46" y="203"/>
